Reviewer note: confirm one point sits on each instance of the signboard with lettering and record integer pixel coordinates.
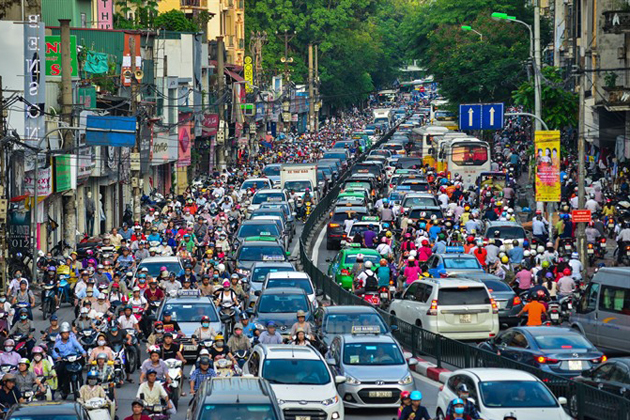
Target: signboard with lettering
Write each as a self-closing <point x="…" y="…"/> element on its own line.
<point x="53" y="56"/>
<point x="19" y="232"/>
<point x="34" y="84"/>
<point x="210" y="124"/>
<point x="165" y="147"/>
<point x="248" y="73"/>
<point x="44" y="182"/>
<point x="581" y="216"/>
<point x="105" y="16"/>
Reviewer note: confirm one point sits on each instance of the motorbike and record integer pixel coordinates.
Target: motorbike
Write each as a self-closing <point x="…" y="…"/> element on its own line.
<point x="625" y="258"/>
<point x="565" y="246"/>
<point x="227" y="312"/>
<point x="46" y="395"/>
<point x="20" y="343"/>
<point x="175" y="373"/>
<point x="97" y="409"/>
<point x="156" y="412"/>
<point x="241" y="357"/>
<point x="610" y="227"/>
<point x="132" y="356"/>
<point x="87" y="338"/>
<point x="48" y="300"/>
<point x="120" y="359"/>
<point x="63" y="290"/>
<point x="224" y="368"/>
<point x="75" y="377"/>
<point x="554" y="313"/>
<point x="566" y="306"/>
<point x="28" y="396"/>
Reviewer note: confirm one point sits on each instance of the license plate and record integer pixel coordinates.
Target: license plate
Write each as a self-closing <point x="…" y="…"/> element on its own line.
<point x="384" y="295"/>
<point x="380" y="394"/>
<point x="465" y="319"/>
<point x="190" y="347"/>
<point x="575" y="365"/>
<point x="590" y="251"/>
<point x="553" y="315"/>
<point x="302" y="417"/>
<point x="567" y="247"/>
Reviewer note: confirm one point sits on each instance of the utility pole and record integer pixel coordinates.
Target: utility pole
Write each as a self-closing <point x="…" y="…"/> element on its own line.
<point x="221" y="146"/>
<point x="537" y="64"/>
<point x="311" y="96"/>
<point x="70" y="225"/>
<point x="317" y="87"/>
<point x="581" y="228"/>
<point x="286" y="105"/>
<point x="3" y="186"/>
<point x="134" y="111"/>
<point x="257" y="40"/>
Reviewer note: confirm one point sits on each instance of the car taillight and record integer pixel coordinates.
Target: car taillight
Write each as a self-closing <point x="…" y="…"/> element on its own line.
<point x="600" y="360"/>
<point x="516" y="301"/>
<point x="590" y="246"/>
<point x="603" y="240"/>
<point x="333" y="225"/>
<point x="545" y="360"/>
<point x="495" y="307"/>
<point x="433" y="310"/>
<point x="345" y="272"/>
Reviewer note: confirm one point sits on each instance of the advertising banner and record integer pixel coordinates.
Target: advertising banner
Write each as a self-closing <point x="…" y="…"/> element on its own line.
<point x="547" y="166"/>
<point x="210" y="124"/>
<point x="53" y="56"/>
<point x="185" y="140"/>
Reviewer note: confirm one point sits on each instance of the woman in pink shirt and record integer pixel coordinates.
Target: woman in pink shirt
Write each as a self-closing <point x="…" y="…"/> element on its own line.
<point x="412" y="271"/>
<point x="425" y="251"/>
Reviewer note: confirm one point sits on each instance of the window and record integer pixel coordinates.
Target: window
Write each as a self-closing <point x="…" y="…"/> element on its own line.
<point x="615" y="299"/>
<point x="83" y="20"/>
<point x="504" y="339"/>
<point x="296" y="372"/>
<point x="433" y="263"/>
<point x="516" y="394"/>
<point x="588" y="303"/>
<point x="518" y="340"/>
<point x="238" y="411"/>
<point x="410" y="294"/>
<point x="461" y="263"/>
<point x="253" y="363"/>
<point x="620" y="373"/>
<point x="453" y="382"/>
<point x="464" y="296"/>
<point x="604" y="372"/>
<point x="372" y="354"/>
<point x="563" y="342"/>
<point x="423" y="293"/>
<point x="471" y="154"/>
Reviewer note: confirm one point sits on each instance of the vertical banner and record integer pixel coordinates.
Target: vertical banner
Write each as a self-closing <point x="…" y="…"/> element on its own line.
<point x="105" y="16"/>
<point x="34" y="84"/>
<point x="126" y="64"/>
<point x="547" y="166"/>
<point x="185" y="139"/>
<point x="248" y="74"/>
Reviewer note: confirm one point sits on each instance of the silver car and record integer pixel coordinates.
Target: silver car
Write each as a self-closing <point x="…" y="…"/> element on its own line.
<point x="374" y="366"/>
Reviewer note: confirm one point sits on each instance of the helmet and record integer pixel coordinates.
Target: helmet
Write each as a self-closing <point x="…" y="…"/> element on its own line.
<point x="204" y="360"/>
<point x="359" y="257"/>
<point x="9" y="343"/>
<point x="101" y="356"/>
<point x="65" y="327"/>
<point x="23" y="311"/>
<point x="415" y="395"/>
<point x="575" y="255"/>
<point x="425" y="242"/>
<point x="154" y="349"/>
<point x="404" y="395"/>
<point x="368" y="264"/>
<point x="540" y="249"/>
<point x="458" y="401"/>
<point x="226" y="283"/>
<point x="24" y="361"/>
<point x="462" y="388"/>
<point x="300" y="313"/>
<point x="515" y="242"/>
<point x="37" y="349"/>
<point x="505" y="259"/>
<point x="8" y="377"/>
<point x="545" y="264"/>
<point x="205" y="318"/>
<point x="383" y="262"/>
<point x="218" y="337"/>
<point x="566" y="271"/>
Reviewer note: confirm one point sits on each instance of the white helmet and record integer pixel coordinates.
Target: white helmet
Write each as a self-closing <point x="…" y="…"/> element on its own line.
<point x="540" y="249"/>
<point x="368" y="264"/>
<point x="502" y="248"/>
<point x="221" y="268"/>
<point x="533" y="252"/>
<point x="527" y="253"/>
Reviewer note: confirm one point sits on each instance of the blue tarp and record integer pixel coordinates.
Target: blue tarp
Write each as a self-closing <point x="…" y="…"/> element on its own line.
<point x="110" y="131"/>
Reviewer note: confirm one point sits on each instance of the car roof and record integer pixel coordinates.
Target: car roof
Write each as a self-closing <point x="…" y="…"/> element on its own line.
<point x="188" y="299"/>
<point x="159" y="259"/>
<point x="549" y="331"/>
<point x="284" y="291"/>
<point x="288" y="275"/>
<point x="269" y="190"/>
<point x="289" y="351"/>
<point x="498" y="374"/>
<point x="360" y="251"/>
<point x="257" y="179"/>
<point x="221" y="390"/>
<point x="346" y="309"/>
<point x="50" y="408"/>
<point x="450" y="282"/>
<point x="368" y="338"/>
<point x="499" y="223"/>
<point x="344" y="209"/>
<point x="259" y="264"/>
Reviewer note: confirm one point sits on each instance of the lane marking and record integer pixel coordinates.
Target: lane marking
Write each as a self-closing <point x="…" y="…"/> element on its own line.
<point x="318" y="243"/>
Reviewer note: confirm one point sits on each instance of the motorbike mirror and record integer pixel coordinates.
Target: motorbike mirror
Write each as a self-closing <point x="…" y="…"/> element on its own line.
<point x="393" y="327"/>
<point x="194" y="336"/>
<point x="319" y="292"/>
<point x="328" y="260"/>
<point x="331" y="362"/>
<point x="249" y="311"/>
<point x="257" y="293"/>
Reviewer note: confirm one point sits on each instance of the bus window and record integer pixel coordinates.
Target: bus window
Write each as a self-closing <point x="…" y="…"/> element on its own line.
<point x="469" y="155"/>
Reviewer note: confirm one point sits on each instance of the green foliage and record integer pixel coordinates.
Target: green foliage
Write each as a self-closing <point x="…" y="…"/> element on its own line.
<point x="358" y="42"/>
<point x="175" y="20"/>
<point x="559" y="106"/>
<point x="145" y="12"/>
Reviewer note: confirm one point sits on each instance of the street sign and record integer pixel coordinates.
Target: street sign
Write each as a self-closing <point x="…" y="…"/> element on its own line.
<point x="470" y="117"/>
<point x="492" y="116"/>
<point x="581" y="216"/>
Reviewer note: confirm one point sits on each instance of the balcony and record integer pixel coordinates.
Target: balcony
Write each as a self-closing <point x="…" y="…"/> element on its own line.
<point x="617" y="21"/>
<point x="241" y="44"/>
<point x="194" y="4"/>
<point x="618" y="98"/>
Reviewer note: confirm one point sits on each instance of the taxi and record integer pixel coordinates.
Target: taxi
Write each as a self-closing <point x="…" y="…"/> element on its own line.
<point x="374" y="366"/>
<point x="341" y="265"/>
<point x="453" y="261"/>
<point x="361" y="226"/>
<point x="257" y="249"/>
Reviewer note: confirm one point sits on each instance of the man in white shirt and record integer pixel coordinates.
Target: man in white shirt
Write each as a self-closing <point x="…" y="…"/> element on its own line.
<point x="152" y="392"/>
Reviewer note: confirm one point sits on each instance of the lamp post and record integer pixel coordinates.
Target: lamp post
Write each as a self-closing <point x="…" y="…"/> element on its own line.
<point x="467" y="28"/>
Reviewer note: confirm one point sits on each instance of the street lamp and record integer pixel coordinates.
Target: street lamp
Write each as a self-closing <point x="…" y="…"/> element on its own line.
<point x="467" y="28"/>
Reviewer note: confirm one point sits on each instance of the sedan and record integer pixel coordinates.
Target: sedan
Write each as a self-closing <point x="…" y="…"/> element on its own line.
<point x="560" y="351"/>
<point x="612" y="376"/>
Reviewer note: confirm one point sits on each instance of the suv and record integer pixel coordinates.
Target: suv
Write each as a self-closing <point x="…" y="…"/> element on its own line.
<point x="507" y="232"/>
<point x="233" y="398"/>
<point x="456" y="308"/>
<point x="293" y="279"/>
<point x="305" y="386"/>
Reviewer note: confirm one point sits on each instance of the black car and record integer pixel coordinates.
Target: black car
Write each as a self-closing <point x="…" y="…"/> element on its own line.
<point x="612" y="376"/>
<point x="334" y="230"/>
<point x="57" y="410"/>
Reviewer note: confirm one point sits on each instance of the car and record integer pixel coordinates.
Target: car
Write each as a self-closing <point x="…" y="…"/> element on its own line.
<point x="612" y="376"/>
<point x="48" y="410"/>
<point x="293" y="279"/>
<point x="280" y="305"/>
<point x="256" y="184"/>
<point x="154" y="265"/>
<point x="286" y="208"/>
<point x="258" y="274"/>
<point x="364" y="224"/>
<point x="235" y="398"/>
<point x="443" y="265"/>
<point x="506" y="231"/>
<point x="456" y="308"/>
<point x="261" y="249"/>
<point x="412" y="200"/>
<point x="415" y="185"/>
<point x="331" y="321"/>
<point x="374" y="366"/>
<point x="561" y="351"/>
<point x="334" y="229"/>
<point x="340" y="267"/>
<point x="188" y="309"/>
<point x="272" y="171"/>
<point x="425" y="213"/>
<point x="302" y="381"/>
<point x="498" y="391"/>
<point x="510" y="304"/>
<point x="278" y="219"/>
<point x="266" y="195"/>
<point x="257" y="227"/>
<point x="396" y="197"/>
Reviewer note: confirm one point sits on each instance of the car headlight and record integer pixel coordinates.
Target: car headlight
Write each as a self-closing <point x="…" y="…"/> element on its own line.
<point x="281" y="402"/>
<point x="330" y="401"/>
<point x="406" y="380"/>
<point x="242" y="271"/>
<point x="352" y="381"/>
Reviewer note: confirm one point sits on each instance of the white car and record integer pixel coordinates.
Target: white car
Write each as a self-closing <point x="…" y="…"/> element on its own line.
<point x="460" y="309"/>
<point x="293" y="279"/>
<point x="258" y="183"/>
<point x="496" y="392"/>
<point x="305" y="386"/>
<point x="267" y="195"/>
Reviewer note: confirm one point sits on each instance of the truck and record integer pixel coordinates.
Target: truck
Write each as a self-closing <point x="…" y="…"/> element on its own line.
<point x="383" y="116"/>
<point x="298" y="177"/>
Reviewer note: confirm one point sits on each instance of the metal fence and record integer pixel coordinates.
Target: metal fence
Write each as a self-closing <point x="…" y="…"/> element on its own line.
<point x="584" y="402"/>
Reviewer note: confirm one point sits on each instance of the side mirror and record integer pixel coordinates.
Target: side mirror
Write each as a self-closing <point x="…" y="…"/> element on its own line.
<point x="319" y="292"/>
<point x="328" y="260"/>
<point x="412" y="362"/>
<point x="250" y="311"/>
<point x="257" y="293"/>
<point x="562" y="400"/>
<point x="393" y="327"/>
<point x="472" y="401"/>
<point x="331" y="362"/>
<point x="294" y="214"/>
<point x="288" y="253"/>
<point x="340" y="379"/>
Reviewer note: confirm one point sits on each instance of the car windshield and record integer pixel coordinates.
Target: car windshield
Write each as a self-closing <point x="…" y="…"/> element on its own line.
<point x="516" y="394"/>
<point x="260" y="273"/>
<point x="272" y="303"/>
<point x="343" y="323"/>
<point x="506" y="232"/>
<point x="425" y="213"/>
<point x="496" y="286"/>
<point x="352" y="258"/>
<point x="191" y="312"/>
<point x="267" y="229"/>
<point x="340" y="217"/>
<point x="257" y="184"/>
<point x="44" y="416"/>
<point x="462" y="263"/>
<point x="563" y="342"/>
<point x="372" y="354"/>
<point x="295" y="372"/>
<point x="463" y="296"/>
<point x="271" y="170"/>
<point x="154" y="267"/>
<point x="416" y="186"/>
<point x="261" y="197"/>
<point x="418" y="201"/>
<point x="261" y="253"/>
<point x="469" y="154"/>
<point x="298" y="186"/>
<point x="238" y="411"/>
<point x="303" y="284"/>
<point x="330" y="155"/>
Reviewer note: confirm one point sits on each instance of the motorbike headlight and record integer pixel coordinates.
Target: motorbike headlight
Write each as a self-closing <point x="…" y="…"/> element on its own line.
<point x="406" y="380"/>
<point x="330" y="401"/>
<point x="352" y="381"/>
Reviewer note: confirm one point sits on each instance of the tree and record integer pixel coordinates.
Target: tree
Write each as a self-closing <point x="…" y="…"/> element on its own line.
<point x="559" y="106"/>
<point x="175" y="20"/>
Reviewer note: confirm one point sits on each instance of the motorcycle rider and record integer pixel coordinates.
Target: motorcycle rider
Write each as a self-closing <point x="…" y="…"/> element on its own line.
<point x="24" y="327"/>
<point x="101" y="348"/>
<point x="415" y="411"/>
<point x="157" y="336"/>
<point x="270" y="335"/>
<point x="226" y="295"/>
<point x="92" y="389"/>
<point x="24" y="296"/>
<point x="301" y="323"/>
<point x="205" y="332"/>
<point x="219" y="350"/>
<point x="235" y="285"/>
<point x="50" y="279"/>
<point x="10" y="393"/>
<point x="65" y="346"/>
<point x="623" y="240"/>
<point x="469" y="408"/>
<point x="170" y="349"/>
<point x="27" y="380"/>
<point x="41" y="366"/>
<point x="83" y="322"/>
<point x="155" y="363"/>
<point x="118" y="338"/>
<point x="366" y="281"/>
<point x="152" y="392"/>
<point x="170" y="326"/>
<point x="104" y="370"/>
<point x="201" y="374"/>
<point x="238" y="340"/>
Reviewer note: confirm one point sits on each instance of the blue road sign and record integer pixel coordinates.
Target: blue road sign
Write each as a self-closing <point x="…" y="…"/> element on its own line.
<point x="492" y="116"/>
<point x="470" y="117"/>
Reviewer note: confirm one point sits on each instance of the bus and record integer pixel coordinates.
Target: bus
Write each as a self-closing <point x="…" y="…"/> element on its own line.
<point x="440" y="150"/>
<point x="468" y="157"/>
<point x="425" y="138"/>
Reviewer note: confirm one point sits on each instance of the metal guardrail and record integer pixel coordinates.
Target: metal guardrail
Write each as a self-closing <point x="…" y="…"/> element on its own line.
<point x="584" y="401"/>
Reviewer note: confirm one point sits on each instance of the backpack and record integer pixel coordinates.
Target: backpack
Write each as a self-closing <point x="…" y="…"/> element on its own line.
<point x="371" y="282"/>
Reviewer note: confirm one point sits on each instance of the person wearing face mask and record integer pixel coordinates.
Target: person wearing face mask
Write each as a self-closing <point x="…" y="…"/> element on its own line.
<point x="23" y="327"/>
<point x="6" y="307"/>
<point x="458" y="411"/>
<point x="24" y="296"/>
<point x="226" y="295"/>
<point x="238" y="340"/>
<point x="219" y="350"/>
<point x="469" y="408"/>
<point x="93" y="390"/>
<point x="9" y="356"/>
<point x="83" y="322"/>
<point x="157" y="336"/>
<point x="101" y="342"/>
<point x="41" y="366"/>
<point x="205" y="332"/>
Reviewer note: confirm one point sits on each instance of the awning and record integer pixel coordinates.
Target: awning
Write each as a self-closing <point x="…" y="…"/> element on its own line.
<point x="235" y="76"/>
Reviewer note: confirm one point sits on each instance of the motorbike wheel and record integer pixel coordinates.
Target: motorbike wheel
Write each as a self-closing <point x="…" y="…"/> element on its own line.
<point x="175" y="398"/>
<point x="131" y="360"/>
<point x="45" y="306"/>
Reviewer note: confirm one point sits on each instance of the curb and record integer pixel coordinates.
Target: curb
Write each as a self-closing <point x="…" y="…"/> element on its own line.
<point x="430" y="370"/>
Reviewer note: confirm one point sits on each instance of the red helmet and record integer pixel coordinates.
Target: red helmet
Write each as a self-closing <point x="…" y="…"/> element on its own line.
<point x="566" y="271"/>
<point x="404" y="395"/>
<point x="425" y="243"/>
<point x="470" y="238"/>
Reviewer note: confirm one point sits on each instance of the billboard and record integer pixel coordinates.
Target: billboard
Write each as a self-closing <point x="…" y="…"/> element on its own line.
<point x="547" y="149"/>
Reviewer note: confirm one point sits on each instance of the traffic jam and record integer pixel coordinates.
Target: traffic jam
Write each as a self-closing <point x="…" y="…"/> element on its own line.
<point x="202" y="309"/>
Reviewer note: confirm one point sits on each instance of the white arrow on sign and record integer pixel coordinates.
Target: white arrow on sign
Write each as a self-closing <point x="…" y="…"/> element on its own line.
<point x="470" y="117"/>
<point x="491" y="116"/>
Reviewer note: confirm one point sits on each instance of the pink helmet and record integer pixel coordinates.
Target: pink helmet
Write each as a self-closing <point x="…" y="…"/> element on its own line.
<point x="37" y="349"/>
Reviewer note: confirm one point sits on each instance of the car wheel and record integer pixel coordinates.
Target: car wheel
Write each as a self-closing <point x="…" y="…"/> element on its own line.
<point x="439" y="415"/>
<point x="573" y="406"/>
